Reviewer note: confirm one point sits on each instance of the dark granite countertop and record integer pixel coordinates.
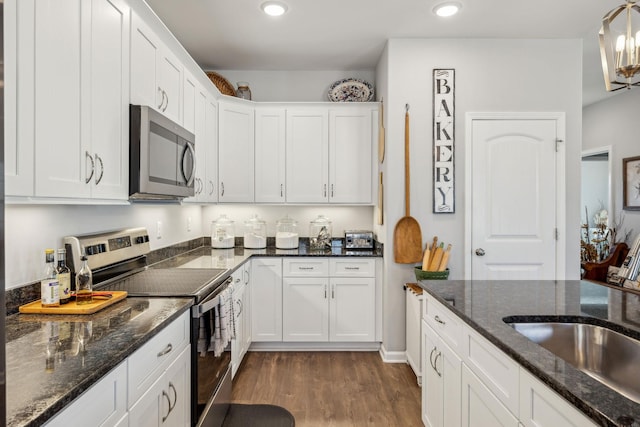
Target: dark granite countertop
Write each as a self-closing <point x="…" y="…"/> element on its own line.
<point x="35" y="394"/>
<point x="484" y="304"/>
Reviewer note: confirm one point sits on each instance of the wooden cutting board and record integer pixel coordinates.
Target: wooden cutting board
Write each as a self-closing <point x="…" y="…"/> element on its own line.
<point x="72" y="307"/>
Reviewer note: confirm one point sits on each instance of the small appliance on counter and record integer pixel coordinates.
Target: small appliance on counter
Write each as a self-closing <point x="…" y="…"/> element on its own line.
<point x="223" y="235"/>
<point x="358" y="239"/>
<point x="287" y="236"/>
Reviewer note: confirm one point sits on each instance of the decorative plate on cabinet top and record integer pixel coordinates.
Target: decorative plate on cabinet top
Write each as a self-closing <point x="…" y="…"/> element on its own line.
<point x="351" y="90"/>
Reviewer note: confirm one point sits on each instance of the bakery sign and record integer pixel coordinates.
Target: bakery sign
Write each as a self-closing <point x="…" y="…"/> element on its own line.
<point x="443" y="140"/>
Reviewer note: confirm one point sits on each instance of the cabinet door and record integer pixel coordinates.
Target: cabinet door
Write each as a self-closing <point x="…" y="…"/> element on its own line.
<point x="190" y="88"/>
<point x="266" y="287"/>
<point x="195" y="104"/>
<point x="210" y="180"/>
<point x="60" y="149"/>
<point x="305" y="309"/>
<point x="19" y="45"/>
<point x="246" y="309"/>
<point x="480" y="407"/>
<point x="235" y="152"/>
<point x="238" y="340"/>
<point x="104" y="404"/>
<point x="350" y="156"/>
<point x="432" y="392"/>
<point x="145" y="49"/>
<point x="109" y="79"/>
<point x="170" y="84"/>
<point x="175" y="409"/>
<point x="352" y="309"/>
<point x="270" y="155"/>
<point x="307" y="156"/>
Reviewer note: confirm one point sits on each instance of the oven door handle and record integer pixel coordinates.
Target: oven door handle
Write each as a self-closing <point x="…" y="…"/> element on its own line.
<point x="211" y="301"/>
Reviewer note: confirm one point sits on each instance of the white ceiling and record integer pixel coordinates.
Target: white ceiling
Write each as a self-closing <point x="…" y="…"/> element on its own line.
<point x="351" y="34"/>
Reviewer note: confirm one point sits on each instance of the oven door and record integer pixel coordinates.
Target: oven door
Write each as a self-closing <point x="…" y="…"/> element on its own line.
<point x="210" y="374"/>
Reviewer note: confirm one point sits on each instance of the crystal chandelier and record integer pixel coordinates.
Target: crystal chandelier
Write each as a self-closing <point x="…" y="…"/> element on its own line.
<point x="620" y="46"/>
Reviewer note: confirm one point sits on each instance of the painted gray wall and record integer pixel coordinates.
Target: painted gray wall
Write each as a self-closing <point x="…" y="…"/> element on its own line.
<point x="614" y="122"/>
<point x="491" y="75"/>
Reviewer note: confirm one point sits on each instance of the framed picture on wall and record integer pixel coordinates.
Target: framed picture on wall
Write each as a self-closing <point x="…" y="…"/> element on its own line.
<point x="631" y="183"/>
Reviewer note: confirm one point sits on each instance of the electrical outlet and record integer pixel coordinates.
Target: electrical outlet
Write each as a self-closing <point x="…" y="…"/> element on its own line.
<point x="188" y="224"/>
<point x="159" y="230"/>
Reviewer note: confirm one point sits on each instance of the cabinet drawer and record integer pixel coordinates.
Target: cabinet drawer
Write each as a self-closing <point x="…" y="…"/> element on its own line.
<point x="300" y="267"/>
<point x="495" y="369"/>
<point x="149" y="361"/>
<point x="443" y="321"/>
<point x="352" y="267"/>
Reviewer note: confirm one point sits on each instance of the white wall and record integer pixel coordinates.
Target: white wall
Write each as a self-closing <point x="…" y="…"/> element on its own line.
<point x="491" y="75"/>
<point x="614" y="121"/>
<point x="292" y="86"/>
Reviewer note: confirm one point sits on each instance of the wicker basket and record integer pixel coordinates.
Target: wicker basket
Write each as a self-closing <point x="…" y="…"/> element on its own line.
<point x="431" y="275"/>
<point x="221" y="83"/>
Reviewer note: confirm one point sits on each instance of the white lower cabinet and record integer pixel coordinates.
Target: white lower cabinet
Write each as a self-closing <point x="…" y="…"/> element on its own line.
<point x="242" y="312"/>
<point x="167" y="401"/>
<point x="468" y="381"/>
<point x="319" y="304"/>
<point x="104" y="404"/>
<point x="266" y="295"/>
<point x="480" y="407"/>
<point x="542" y="407"/>
<point x="441" y="378"/>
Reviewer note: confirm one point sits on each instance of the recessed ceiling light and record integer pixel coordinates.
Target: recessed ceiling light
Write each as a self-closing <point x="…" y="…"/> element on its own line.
<point x="447" y="9"/>
<point x="274" y="8"/>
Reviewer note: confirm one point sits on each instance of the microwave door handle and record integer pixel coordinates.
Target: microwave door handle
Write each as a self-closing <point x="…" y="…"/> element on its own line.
<point x="192" y="174"/>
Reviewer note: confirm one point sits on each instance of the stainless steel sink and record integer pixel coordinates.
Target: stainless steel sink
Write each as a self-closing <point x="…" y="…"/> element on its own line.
<point x="608" y="356"/>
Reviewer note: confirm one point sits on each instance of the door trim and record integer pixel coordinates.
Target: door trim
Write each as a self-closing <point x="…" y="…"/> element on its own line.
<point x="560" y="169"/>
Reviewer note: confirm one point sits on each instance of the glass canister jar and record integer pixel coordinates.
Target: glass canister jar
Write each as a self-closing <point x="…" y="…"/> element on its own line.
<point x="243" y="91"/>
<point x="255" y="233"/>
<point x="320" y="232"/>
<point x="223" y="234"/>
<point x="287" y="236"/>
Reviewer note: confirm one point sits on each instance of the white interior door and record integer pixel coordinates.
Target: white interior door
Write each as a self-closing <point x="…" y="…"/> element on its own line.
<point x="513" y="205"/>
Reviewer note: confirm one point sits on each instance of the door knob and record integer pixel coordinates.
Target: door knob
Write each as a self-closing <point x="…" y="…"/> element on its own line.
<point x="480" y="252"/>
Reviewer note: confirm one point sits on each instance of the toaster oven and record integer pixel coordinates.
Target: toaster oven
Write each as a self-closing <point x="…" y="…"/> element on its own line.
<point x="358" y="239"/>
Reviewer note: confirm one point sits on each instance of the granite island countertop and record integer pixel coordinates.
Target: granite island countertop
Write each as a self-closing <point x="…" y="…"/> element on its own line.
<point x="37" y="389"/>
<point x="484" y="304"/>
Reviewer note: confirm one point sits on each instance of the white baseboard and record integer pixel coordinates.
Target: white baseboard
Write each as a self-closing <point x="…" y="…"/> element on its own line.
<point x="314" y="346"/>
<point x="392" y="356"/>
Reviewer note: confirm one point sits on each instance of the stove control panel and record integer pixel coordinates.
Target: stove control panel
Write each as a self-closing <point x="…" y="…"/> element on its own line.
<point x="106" y="248"/>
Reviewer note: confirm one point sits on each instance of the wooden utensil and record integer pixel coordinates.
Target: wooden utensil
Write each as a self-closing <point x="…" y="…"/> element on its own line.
<point x="407" y="236"/>
<point x="381" y="132"/>
<point x="380" y="202"/>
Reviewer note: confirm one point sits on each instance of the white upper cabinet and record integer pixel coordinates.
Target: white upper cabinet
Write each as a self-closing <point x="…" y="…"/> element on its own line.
<point x="236" y="152"/>
<point x="270" y="155"/>
<point x="156" y="74"/>
<point x="307" y="160"/>
<point x="350" y="155"/>
<point x="78" y="144"/>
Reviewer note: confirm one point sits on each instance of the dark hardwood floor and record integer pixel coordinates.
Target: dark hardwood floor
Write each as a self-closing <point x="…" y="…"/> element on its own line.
<point x="339" y="389"/>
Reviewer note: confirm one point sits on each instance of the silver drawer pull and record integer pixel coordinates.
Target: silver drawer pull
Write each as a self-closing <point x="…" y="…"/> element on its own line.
<point x="305" y="268"/>
<point x="352" y="268"/>
<point x="166" y="350"/>
<point x="437" y="319"/>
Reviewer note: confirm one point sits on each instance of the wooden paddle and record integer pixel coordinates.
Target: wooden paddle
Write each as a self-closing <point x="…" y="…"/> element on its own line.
<point x="407" y="236"/>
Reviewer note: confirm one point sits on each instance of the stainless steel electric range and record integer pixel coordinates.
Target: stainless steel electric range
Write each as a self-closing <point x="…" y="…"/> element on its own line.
<point x="118" y="260"/>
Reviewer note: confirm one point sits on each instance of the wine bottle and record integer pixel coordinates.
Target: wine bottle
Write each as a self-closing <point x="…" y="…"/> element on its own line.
<point x="49" y="289"/>
<point x="64" y="277"/>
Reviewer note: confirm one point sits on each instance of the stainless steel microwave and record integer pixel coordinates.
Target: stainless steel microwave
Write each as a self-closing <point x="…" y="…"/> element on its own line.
<point x="162" y="160"/>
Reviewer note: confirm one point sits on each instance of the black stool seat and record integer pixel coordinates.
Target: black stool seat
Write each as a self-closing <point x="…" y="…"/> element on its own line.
<point x="241" y="415"/>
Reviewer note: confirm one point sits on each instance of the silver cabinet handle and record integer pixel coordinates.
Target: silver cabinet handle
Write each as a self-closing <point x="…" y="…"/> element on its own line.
<point x="166" y="395"/>
<point x="175" y="397"/>
<point x="281" y="190"/>
<point x="99" y="178"/>
<point x="439" y="320"/>
<point x="431" y="358"/>
<point x="93" y="166"/>
<point x="165" y="97"/>
<point x="166" y="350"/>
<point x="247" y="277"/>
<point x="211" y="184"/>
<point x="325" y="291"/>
<point x="305" y="268"/>
<point x="435" y="363"/>
<point x="162" y="99"/>
<point x="324" y="190"/>
<point x="222" y="189"/>
<point x="352" y="268"/>
<point x="480" y="252"/>
<point x="331" y="190"/>
<point x="333" y="292"/>
<point x="239" y="307"/>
